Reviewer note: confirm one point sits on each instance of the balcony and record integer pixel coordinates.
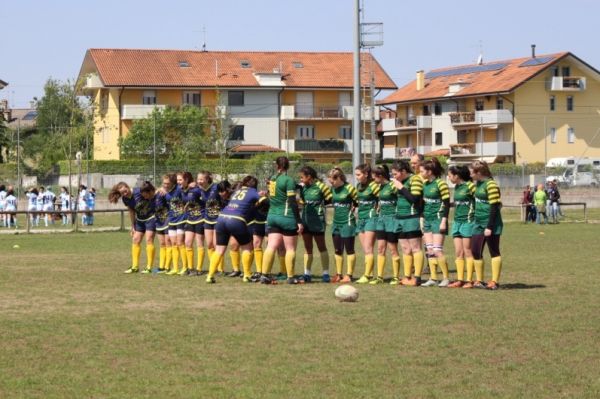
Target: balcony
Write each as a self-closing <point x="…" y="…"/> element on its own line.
<point x="139" y="111"/>
<point x="421" y="122"/>
<point x="424" y="149"/>
<point x="424" y="122"/>
<point x="309" y="112"/>
<point x="489" y="149"/>
<point x="398" y="152"/>
<point x="92" y="82"/>
<point x="566" y="83"/>
<point x="329" y="145"/>
<point x="487" y="117"/>
<point x="365" y="113"/>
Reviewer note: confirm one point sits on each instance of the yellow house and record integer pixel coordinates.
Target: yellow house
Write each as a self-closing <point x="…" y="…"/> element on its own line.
<point x="293" y="101"/>
<point x="520" y="110"/>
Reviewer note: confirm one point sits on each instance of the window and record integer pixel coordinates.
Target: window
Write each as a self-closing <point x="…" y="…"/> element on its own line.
<point x="553" y="135"/>
<point x="499" y="103"/>
<point x="555" y="71"/>
<point x="245" y="64"/>
<point x="149" y="97"/>
<point x="570" y="135"/>
<point x="346" y="132"/>
<point x="439" y="138"/>
<point x="461" y="137"/>
<point x="297" y="64"/>
<point x="479" y="105"/>
<point x="104" y="102"/>
<point x="191" y="98"/>
<point x="235" y="97"/>
<point x="426" y="111"/>
<point x="552" y="103"/>
<point x="570" y="103"/>
<point x="104" y="132"/>
<point x="437" y="108"/>
<point x="237" y="133"/>
<point x="184" y="64"/>
<point x="566" y="71"/>
<point x="305" y="132"/>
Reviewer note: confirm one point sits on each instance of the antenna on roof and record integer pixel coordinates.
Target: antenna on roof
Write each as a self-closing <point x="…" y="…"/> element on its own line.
<point x="203" y="38"/>
<point x="480" y="58"/>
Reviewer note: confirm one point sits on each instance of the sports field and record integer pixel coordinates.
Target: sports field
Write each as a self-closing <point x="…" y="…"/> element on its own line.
<point x="72" y="325"/>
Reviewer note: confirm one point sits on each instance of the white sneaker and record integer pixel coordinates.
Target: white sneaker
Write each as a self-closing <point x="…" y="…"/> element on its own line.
<point x="444" y="283"/>
<point x="429" y="283"/>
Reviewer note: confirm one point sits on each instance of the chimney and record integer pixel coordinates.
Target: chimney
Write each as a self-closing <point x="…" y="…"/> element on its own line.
<point x="533" y="51"/>
<point x="420" y="80"/>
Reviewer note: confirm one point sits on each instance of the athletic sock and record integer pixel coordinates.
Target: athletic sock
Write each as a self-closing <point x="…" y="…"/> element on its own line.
<point x="215" y="259"/>
<point x="247" y="257"/>
<point x="200" y="260"/>
<point x="380" y="265"/>
<point x="441" y="260"/>
<point x="210" y="251"/>
<point x="282" y="267"/>
<point x="407" y="260"/>
<point x="258" y="258"/>
<point x="189" y="254"/>
<point x="418" y="260"/>
<point x="351" y="259"/>
<point x="235" y="260"/>
<point x="308" y="260"/>
<point x="183" y="256"/>
<point x="339" y="264"/>
<point x="168" y="257"/>
<point x="369" y="262"/>
<point x="267" y="263"/>
<point x="175" y="257"/>
<point x="496" y="268"/>
<point x="460" y="269"/>
<point x="290" y="263"/>
<point x="221" y="265"/>
<point x="149" y="256"/>
<point x="470" y="266"/>
<point x="136" y="250"/>
<point x="432" y="267"/>
<point x="162" y="254"/>
<point x="396" y="266"/>
<point x="478" y="269"/>
<point x="325" y="261"/>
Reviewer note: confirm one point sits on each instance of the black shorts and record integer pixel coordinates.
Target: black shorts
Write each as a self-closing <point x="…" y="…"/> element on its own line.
<point x="209" y="226"/>
<point x="228" y="227"/>
<point x="258" y="229"/>
<point x="197" y="228"/>
<point x="313" y="233"/>
<point x="410" y="234"/>
<point x="389" y="237"/>
<point x="287" y="233"/>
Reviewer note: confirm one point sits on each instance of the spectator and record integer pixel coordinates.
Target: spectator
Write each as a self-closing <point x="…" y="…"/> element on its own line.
<point x="553" y="198"/>
<point x="527" y="202"/>
<point x="539" y="199"/>
<point x="91" y="205"/>
<point x="82" y="204"/>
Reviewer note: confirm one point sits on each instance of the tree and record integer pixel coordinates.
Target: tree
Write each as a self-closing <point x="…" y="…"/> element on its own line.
<point x="4" y="141"/>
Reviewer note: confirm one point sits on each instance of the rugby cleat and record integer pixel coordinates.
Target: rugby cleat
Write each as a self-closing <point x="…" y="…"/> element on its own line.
<point x="347" y="279"/>
<point x="492" y="285"/>
<point x="337" y="278"/>
<point x="430" y="283"/>
<point x="468" y="285"/>
<point x="363" y="280"/>
<point x="478" y="284"/>
<point x="395" y="281"/>
<point x="235" y="273"/>
<point x="376" y="281"/>
<point x="325" y="278"/>
<point x="307" y="278"/>
<point x="147" y="271"/>
<point x="456" y="284"/>
<point x="247" y="279"/>
<point x="131" y="270"/>
<point x="210" y="280"/>
<point x="444" y="283"/>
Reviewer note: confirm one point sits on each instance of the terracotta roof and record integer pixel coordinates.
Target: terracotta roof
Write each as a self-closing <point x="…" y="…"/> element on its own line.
<point x="255" y="148"/>
<point x="162" y="68"/>
<point x="502" y="77"/>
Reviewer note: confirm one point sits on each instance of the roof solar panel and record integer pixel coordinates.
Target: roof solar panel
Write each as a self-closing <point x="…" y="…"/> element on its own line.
<point x="466" y="70"/>
<point x="536" y="61"/>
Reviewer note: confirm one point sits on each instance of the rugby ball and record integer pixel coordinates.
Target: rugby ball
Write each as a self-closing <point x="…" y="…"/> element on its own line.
<point x="346" y="293"/>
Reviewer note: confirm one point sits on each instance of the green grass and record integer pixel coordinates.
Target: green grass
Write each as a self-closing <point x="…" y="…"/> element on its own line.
<point x="72" y="325"/>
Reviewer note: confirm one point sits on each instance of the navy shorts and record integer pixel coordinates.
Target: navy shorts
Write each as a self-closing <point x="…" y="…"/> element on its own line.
<point x="210" y="226"/>
<point x="143" y="226"/>
<point x="197" y="228"/>
<point x="228" y="227"/>
<point x="258" y="229"/>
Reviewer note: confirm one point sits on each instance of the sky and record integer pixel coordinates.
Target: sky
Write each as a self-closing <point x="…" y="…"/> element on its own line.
<point x="48" y="39"/>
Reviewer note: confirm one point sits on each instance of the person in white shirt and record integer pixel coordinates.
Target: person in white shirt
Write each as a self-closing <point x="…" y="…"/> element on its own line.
<point x="32" y="205"/>
<point x="11" y="206"/>
<point x="49" y="198"/>
<point x="82" y="204"/>
<point x="65" y="205"/>
<point x="3" y="195"/>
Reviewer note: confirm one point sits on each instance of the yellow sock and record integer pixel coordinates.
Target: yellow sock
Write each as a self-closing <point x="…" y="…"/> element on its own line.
<point x="235" y="260"/>
<point x="308" y="260"/>
<point x="149" y="256"/>
<point x="175" y="257"/>
<point x="496" y="268"/>
<point x="258" y="257"/>
<point x="408" y="265"/>
<point x="168" y="257"/>
<point x="441" y="260"/>
<point x="380" y="265"/>
<point x="369" y="261"/>
<point x="290" y="263"/>
<point x="396" y="266"/>
<point x="478" y="269"/>
<point x="210" y="251"/>
<point x="200" y="260"/>
<point x="162" y="254"/>
<point x="418" y="260"/>
<point x="433" y="268"/>
<point x="460" y="269"/>
<point x="215" y="259"/>
<point x="267" y="263"/>
<point x="247" y="258"/>
<point x="339" y="264"/>
<point x="325" y="261"/>
<point x="221" y="265"/>
<point x="136" y="251"/>
<point x="282" y="267"/>
<point x="351" y="259"/>
<point x="189" y="256"/>
<point x="470" y="266"/>
<point x="183" y="255"/>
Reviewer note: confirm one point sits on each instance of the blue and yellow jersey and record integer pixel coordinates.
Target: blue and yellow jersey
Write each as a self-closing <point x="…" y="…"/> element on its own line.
<point x="194" y="205"/>
<point x="161" y="209"/>
<point x="260" y="212"/>
<point x="241" y="204"/>
<point x="212" y="203"/>
<point x="144" y="209"/>
<point x="176" y="206"/>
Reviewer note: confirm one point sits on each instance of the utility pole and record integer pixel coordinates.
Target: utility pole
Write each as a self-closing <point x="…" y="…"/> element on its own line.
<point x="356" y="136"/>
<point x="154" y="148"/>
<point x="18" y="158"/>
<point x="373" y="125"/>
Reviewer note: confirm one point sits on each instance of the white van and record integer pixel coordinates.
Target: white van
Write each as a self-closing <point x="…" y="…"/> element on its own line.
<point x="578" y="172"/>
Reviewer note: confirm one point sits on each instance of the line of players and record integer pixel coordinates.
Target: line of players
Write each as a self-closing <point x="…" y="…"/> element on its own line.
<point x="387" y="208"/>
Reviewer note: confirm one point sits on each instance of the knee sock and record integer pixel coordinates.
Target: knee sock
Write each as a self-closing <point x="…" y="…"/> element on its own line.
<point x="183" y="256"/>
<point x="258" y="257"/>
<point x="433" y="267"/>
<point x="396" y="266"/>
<point x="247" y="258"/>
<point x="380" y="265"/>
<point x="168" y="257"/>
<point x="136" y="251"/>
<point x="460" y="269"/>
<point x="496" y="268"/>
<point x="221" y="265"/>
<point x="282" y="267"/>
<point x="308" y="260"/>
<point x="189" y="256"/>
<point x="235" y="260"/>
<point x="418" y="260"/>
<point x="149" y="256"/>
<point x="469" y="262"/>
<point x="478" y="269"/>
<point x="369" y="261"/>
<point x="267" y="263"/>
<point x="441" y="260"/>
<point x="290" y="263"/>
<point x="339" y="264"/>
<point x="351" y="259"/>
<point x="210" y="251"/>
<point x="325" y="262"/>
<point x="200" y="260"/>
<point x="215" y="259"/>
<point x="408" y="265"/>
<point x="162" y="254"/>
<point x="175" y="258"/>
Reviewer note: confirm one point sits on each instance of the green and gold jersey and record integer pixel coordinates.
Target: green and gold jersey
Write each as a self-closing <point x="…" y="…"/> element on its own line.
<point x="344" y="199"/>
<point x="313" y="199"/>
<point x="404" y="207"/>
<point x="388" y="197"/>
<point x="281" y="187"/>
<point x="464" y="202"/>
<point x="487" y="193"/>
<point x="367" y="200"/>
<point x="434" y="194"/>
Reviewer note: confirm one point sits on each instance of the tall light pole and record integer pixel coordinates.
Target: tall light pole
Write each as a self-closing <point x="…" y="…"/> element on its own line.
<point x="356" y="136"/>
<point x="18" y="158"/>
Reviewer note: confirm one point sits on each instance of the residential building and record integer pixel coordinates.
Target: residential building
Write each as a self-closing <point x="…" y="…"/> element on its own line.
<point x="520" y="110"/>
<point x="295" y="101"/>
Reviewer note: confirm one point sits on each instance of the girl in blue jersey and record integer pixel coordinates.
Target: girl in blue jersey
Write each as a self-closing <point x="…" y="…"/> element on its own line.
<point x="233" y="222"/>
<point x="141" y="205"/>
<point x="194" y="223"/>
<point x="162" y="222"/>
<point x="208" y="191"/>
<point x="176" y="218"/>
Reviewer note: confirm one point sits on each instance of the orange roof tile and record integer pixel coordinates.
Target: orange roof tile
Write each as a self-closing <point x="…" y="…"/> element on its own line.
<point x="161" y="68"/>
<point x="497" y="80"/>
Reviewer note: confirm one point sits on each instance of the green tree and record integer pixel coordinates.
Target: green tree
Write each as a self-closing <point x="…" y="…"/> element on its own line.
<point x="4" y="141"/>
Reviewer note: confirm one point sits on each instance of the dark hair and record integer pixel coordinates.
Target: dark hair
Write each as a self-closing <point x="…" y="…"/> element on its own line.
<point x="249" y="181"/>
<point x="2" y="187"/>
<point x="82" y="187"/>
<point x="147" y="187"/>
<point x="382" y="170"/>
<point x="42" y="188"/>
<point x="10" y="192"/>
<point x="282" y="163"/>
<point x="66" y="189"/>
<point x="309" y="171"/>
<point x="223" y="186"/>
<point x="115" y="192"/>
<point x="172" y="178"/>
<point x="434" y="166"/>
<point x="461" y="171"/>
<point x="337" y="173"/>
<point x="402" y="165"/>
<point x="364" y="168"/>
<point x="207" y="175"/>
<point x="481" y="167"/>
<point x="34" y="190"/>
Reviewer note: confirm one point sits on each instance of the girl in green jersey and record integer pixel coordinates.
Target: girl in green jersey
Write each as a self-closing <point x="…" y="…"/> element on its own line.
<point x="368" y="194"/>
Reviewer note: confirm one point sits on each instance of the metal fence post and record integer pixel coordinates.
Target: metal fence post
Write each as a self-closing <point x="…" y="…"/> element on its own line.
<point x="122" y="220"/>
<point x="27" y="223"/>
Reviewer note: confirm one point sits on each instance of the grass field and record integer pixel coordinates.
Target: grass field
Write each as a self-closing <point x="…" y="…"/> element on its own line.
<point x="72" y="325"/>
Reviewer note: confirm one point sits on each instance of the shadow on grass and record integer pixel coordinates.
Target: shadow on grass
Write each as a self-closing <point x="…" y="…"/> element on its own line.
<point x="521" y="286"/>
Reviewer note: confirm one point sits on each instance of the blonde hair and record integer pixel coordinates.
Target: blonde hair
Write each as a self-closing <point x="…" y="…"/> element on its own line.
<point x="337" y="173"/>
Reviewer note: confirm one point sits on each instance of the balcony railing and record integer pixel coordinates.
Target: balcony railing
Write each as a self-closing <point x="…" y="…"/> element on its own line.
<point x="329" y="145"/>
<point x="139" y="111"/>
<point x="494" y="148"/>
<point x="567" y="83"/>
<point x="457" y="118"/>
<point x="421" y="122"/>
<point x="289" y="112"/>
<point x="487" y="117"/>
<point x="398" y="152"/>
